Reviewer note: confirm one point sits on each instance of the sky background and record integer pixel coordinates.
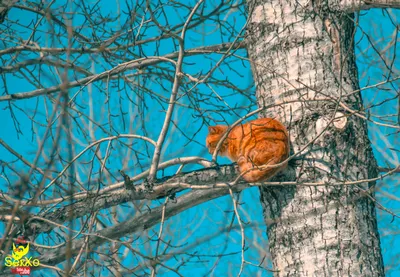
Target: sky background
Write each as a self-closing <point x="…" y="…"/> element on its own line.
<point x="206" y="225"/>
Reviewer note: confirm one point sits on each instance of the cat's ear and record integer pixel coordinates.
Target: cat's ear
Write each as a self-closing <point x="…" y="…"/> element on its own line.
<point x="213" y="130"/>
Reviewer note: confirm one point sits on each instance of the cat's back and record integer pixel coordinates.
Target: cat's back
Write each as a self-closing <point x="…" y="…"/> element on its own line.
<point x="262" y="133"/>
<point x="262" y="128"/>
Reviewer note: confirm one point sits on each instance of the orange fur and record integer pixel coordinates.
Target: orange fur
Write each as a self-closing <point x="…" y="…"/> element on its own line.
<point x="256" y="143"/>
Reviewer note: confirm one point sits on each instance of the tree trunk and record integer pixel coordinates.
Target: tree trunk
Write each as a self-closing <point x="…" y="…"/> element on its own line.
<point x="305" y="53"/>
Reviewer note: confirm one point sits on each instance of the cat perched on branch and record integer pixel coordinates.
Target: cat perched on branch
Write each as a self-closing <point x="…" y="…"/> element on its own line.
<point x="255" y="146"/>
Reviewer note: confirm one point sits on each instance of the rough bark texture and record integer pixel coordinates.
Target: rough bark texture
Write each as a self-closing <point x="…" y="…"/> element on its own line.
<point x="90" y="203"/>
<point x="302" y="50"/>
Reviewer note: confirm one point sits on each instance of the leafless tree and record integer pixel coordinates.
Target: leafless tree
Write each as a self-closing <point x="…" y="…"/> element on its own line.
<point x="104" y="167"/>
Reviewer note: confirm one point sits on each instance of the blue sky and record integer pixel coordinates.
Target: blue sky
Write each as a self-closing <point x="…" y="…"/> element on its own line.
<point x="385" y="144"/>
<point x="211" y="219"/>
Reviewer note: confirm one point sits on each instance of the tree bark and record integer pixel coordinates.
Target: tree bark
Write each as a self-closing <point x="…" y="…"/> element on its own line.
<point x="5" y="6"/>
<point x="303" y="50"/>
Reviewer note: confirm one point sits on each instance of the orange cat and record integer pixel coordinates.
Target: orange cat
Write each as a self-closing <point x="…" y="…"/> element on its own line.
<point x="258" y="142"/>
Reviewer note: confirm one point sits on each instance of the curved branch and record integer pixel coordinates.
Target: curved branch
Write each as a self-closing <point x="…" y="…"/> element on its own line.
<point x="205" y="178"/>
<point x="136" y="64"/>
<point x="149" y="219"/>
<point x="138" y="223"/>
<point x="90" y="146"/>
<point x="357" y="5"/>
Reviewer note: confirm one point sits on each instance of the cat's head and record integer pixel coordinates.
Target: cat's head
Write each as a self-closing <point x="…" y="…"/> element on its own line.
<point x="214" y="135"/>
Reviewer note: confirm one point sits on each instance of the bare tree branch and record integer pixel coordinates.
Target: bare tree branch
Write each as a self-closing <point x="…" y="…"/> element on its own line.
<point x="136" y="64"/>
<point x="357" y="5"/>
<point x="5" y="6"/>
